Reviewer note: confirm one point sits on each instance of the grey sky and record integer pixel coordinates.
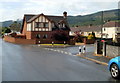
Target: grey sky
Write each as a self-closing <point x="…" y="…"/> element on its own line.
<point x="15" y="9"/>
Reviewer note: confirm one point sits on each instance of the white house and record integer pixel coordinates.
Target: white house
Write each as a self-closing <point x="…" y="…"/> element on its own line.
<point x="111" y="30"/>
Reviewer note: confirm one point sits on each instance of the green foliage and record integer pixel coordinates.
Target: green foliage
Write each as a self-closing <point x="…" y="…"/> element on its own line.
<point x="90" y="36"/>
<point x="60" y="35"/>
<point x="5" y="30"/>
<point x="15" y="26"/>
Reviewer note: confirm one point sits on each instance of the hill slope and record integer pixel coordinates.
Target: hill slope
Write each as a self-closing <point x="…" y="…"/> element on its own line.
<point x="95" y="18"/>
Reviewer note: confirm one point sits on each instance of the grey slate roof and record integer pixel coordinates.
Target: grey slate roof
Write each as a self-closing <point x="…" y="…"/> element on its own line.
<point x="56" y="19"/>
<point x="86" y="28"/>
<point x="112" y="24"/>
<point x="28" y="16"/>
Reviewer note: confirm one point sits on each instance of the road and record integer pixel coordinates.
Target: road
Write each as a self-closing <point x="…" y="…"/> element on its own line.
<point x="35" y="63"/>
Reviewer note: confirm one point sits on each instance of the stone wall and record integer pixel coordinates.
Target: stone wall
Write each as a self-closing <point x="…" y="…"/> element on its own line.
<point x="112" y="51"/>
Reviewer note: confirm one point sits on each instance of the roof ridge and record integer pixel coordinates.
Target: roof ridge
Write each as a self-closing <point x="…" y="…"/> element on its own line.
<point x="53" y="15"/>
<point x="29" y="14"/>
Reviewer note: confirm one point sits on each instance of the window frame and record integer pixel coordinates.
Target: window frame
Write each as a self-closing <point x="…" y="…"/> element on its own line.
<point x="41" y="24"/>
<point x="45" y="36"/>
<point x="38" y="36"/>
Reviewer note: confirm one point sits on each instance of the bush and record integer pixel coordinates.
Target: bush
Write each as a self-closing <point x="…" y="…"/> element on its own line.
<point x="90" y="36"/>
<point x="60" y="35"/>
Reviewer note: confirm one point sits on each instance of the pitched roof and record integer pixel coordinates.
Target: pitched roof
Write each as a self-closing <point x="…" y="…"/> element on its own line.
<point x="28" y="16"/>
<point x="112" y="24"/>
<point x="86" y="28"/>
<point x="55" y="19"/>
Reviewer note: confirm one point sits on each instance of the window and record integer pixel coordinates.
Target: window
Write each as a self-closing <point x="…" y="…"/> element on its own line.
<point x="45" y="36"/>
<point x="117" y="29"/>
<point x="104" y="29"/>
<point x="38" y="36"/>
<point x="46" y="25"/>
<point x="61" y="25"/>
<point x="37" y="24"/>
<point x="41" y="25"/>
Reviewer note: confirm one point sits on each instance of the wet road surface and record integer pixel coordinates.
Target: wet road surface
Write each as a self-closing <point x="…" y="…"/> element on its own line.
<point x="33" y="63"/>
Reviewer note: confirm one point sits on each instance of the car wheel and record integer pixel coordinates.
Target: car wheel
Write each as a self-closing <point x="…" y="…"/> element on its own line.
<point x="114" y="70"/>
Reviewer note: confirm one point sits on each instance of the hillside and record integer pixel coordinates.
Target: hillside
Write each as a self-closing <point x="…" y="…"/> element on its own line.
<point x="94" y="19"/>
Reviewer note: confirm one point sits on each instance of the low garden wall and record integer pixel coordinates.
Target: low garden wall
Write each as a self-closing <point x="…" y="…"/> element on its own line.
<point x="105" y="49"/>
<point x="48" y="41"/>
<point x="35" y="41"/>
<point x="19" y="40"/>
<point x="112" y="51"/>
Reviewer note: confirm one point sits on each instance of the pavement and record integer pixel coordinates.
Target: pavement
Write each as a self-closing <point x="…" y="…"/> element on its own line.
<point x="95" y="58"/>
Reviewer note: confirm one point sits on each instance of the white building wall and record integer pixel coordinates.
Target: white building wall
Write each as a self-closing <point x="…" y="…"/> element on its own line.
<point x="117" y="29"/>
<point x="29" y="27"/>
<point x="109" y="32"/>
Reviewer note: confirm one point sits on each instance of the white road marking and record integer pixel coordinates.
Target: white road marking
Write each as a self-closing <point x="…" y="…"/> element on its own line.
<point x="74" y="55"/>
<point x="62" y="51"/>
<point x="68" y="53"/>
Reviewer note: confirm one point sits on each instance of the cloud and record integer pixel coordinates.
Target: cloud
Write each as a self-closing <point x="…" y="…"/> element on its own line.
<point x="13" y="9"/>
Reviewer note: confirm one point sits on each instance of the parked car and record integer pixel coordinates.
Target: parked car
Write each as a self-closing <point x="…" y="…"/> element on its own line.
<point x="114" y="67"/>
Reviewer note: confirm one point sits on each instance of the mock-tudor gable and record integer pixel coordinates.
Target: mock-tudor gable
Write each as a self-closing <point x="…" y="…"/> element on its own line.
<point x="43" y="22"/>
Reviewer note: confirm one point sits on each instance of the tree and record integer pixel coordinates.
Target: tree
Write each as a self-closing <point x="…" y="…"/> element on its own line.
<point x="60" y="35"/>
<point x="7" y="30"/>
<point x="15" y="26"/>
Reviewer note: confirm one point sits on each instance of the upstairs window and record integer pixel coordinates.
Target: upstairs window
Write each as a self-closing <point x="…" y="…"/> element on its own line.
<point x="41" y="25"/>
<point x="61" y="25"/>
<point x="37" y="24"/>
<point x="46" y="25"/>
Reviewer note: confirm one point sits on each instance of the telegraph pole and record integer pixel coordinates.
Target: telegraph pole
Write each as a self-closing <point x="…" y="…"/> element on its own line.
<point x="102" y="23"/>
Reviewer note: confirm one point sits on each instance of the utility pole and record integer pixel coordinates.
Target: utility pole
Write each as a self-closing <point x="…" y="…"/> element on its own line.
<point x="102" y="23"/>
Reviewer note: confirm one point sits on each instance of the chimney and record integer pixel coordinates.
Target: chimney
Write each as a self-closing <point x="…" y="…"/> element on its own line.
<point x="64" y="14"/>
